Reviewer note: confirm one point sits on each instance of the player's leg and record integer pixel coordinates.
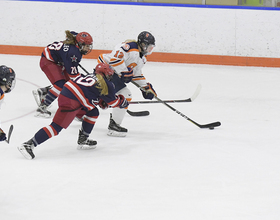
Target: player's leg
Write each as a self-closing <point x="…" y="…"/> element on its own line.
<point x="41" y="136"/>
<point x="40" y="94"/>
<point x="117" y="116"/>
<point x="57" y="76"/>
<point x="68" y="108"/>
<point x="89" y="120"/>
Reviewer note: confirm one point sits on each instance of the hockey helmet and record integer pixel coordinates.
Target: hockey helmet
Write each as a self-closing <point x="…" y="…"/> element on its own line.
<point x="146" y="42"/>
<point x="84" y="42"/>
<point x="104" y="70"/>
<point x="7" y="78"/>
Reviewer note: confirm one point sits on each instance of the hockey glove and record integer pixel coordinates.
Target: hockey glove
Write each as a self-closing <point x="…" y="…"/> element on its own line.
<point x="2" y="135"/>
<point x="102" y="104"/>
<point x="149" y="92"/>
<point x="127" y="75"/>
<point x="123" y="102"/>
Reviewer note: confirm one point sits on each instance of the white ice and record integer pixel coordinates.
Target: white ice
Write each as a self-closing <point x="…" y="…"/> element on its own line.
<point x="166" y="168"/>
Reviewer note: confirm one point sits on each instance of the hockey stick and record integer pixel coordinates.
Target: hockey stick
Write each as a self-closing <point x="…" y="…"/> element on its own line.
<point x="210" y="125"/>
<point x="9" y="134"/>
<point x="140" y="113"/>
<point x="191" y="99"/>
<point x="83" y="69"/>
<point x="146" y="113"/>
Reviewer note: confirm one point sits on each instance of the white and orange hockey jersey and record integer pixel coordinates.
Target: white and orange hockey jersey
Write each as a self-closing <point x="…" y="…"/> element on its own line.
<point x="126" y="55"/>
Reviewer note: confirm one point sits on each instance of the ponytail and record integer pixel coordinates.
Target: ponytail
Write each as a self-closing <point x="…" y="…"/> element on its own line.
<point x="70" y="38"/>
<point x="102" y="85"/>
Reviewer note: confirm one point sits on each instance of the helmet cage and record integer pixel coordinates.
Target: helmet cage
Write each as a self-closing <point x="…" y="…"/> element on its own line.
<point x="147" y="49"/>
<point x="7" y="78"/>
<point x="85" y="48"/>
<point x="146" y="41"/>
<point x="10" y="85"/>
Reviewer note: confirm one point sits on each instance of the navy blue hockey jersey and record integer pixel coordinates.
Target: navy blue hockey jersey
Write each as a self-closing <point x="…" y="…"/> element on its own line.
<point x="84" y="90"/>
<point x="67" y="55"/>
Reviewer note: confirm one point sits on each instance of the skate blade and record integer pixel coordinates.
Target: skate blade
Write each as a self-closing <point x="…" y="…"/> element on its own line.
<point x="86" y="147"/>
<point x="36" y="97"/>
<point x="42" y="115"/>
<point x="116" y="133"/>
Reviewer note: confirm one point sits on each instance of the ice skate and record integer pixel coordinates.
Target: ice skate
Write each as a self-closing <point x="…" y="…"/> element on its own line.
<point x="26" y="149"/>
<point x="43" y="112"/>
<point x="84" y="143"/>
<point x="40" y="94"/>
<point x="116" y="130"/>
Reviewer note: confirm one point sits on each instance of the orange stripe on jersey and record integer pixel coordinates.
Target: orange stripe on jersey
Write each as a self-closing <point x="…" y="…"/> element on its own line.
<point x="128" y="99"/>
<point x="132" y="50"/>
<point x="113" y="59"/>
<point x="138" y="79"/>
<point x="101" y="59"/>
<point x="2" y="96"/>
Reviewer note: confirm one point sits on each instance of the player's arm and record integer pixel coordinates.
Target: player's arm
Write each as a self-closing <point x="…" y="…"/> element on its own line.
<point x="71" y="60"/>
<point x="112" y="99"/>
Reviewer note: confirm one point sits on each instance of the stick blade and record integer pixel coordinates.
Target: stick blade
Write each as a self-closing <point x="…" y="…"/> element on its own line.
<point x="9" y="134"/>
<point x="138" y="114"/>
<point x="211" y="125"/>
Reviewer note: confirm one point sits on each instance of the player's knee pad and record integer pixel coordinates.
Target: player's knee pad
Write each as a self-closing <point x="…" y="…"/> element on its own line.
<point x="91" y="116"/>
<point x="93" y="112"/>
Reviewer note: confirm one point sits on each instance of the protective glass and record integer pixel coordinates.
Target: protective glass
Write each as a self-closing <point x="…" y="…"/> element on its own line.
<point x="11" y="86"/>
<point x="150" y="48"/>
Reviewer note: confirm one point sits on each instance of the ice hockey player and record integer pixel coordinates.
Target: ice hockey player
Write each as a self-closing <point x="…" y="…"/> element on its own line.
<point x="59" y="61"/>
<point x="79" y="96"/>
<point x="127" y="60"/>
<point x="7" y="83"/>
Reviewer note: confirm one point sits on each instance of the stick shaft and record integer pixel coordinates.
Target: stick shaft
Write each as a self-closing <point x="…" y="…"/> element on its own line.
<point x="214" y="124"/>
<point x="191" y="99"/>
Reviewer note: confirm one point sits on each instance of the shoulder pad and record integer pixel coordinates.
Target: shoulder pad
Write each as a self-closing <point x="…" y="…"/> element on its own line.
<point x="130" y="46"/>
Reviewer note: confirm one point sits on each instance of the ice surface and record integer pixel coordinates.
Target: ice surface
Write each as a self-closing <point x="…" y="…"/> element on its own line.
<point x="166" y="168"/>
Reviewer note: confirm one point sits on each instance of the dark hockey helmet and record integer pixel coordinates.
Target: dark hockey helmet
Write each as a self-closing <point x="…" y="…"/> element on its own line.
<point x="146" y="42"/>
<point x="7" y="78"/>
<point x="104" y="70"/>
<point x="84" y="42"/>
